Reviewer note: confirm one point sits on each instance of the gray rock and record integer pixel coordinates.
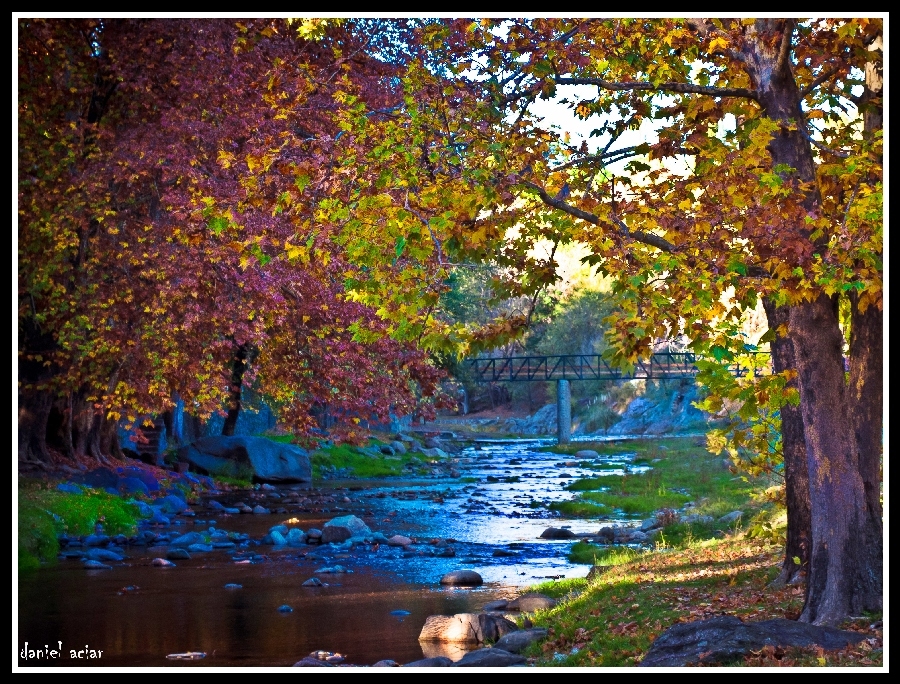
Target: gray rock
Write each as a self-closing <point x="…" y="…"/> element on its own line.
<point x="232" y="585"/>
<point x="528" y="603"/>
<point x="341" y="529"/>
<point x="386" y="663"/>
<point x="236" y="456"/>
<point x="312" y="582"/>
<point x="309" y="661"/>
<point x="437" y="661"/>
<point x="332" y="570"/>
<point x="162" y="563"/>
<point x="557" y="533"/>
<point x="489" y="657"/>
<point x="586" y="454"/>
<point x="727" y="638"/>
<point x="475" y="628"/>
<point x="729" y="518"/>
<point x="200" y="548"/>
<point x="172" y="504"/>
<point x="285" y="609"/>
<point x="515" y="642"/>
<point x="187" y="539"/>
<point x="462" y="578"/>
<point x="178" y="554"/>
<point x="103" y="555"/>
<point x="399" y="540"/>
<point x="399" y="447"/>
<point x="95" y="565"/>
<point x="260" y="510"/>
<point x="495" y="606"/>
<point x="296" y="537"/>
<point x="697" y="518"/>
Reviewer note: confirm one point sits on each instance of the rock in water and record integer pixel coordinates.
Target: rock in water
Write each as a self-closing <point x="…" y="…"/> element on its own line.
<point x="462" y="578"/>
<point x="475" y="628"/>
<point x="341" y="529"/>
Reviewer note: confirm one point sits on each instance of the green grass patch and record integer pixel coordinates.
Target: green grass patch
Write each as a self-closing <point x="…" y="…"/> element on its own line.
<point x="589" y="484"/>
<point x="579" y="509"/>
<point x="233" y="482"/>
<point x="45" y="513"/>
<point x="592" y="554"/>
<point x="680" y="471"/>
<point x="359" y="464"/>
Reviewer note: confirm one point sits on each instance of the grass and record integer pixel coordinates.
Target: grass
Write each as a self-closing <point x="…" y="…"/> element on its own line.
<point x="45" y="513"/>
<point x="612" y="619"/>
<point x="680" y="472"/>
<point x="358" y="464"/>
<point x="695" y="571"/>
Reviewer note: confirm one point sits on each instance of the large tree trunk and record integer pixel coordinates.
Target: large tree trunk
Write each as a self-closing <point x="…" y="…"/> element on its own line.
<point x="793" y="445"/>
<point x="845" y="563"/>
<point x="845" y="566"/>
<point x="866" y="397"/>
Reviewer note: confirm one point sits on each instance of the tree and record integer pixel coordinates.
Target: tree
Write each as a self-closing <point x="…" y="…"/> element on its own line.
<point x="764" y="183"/>
<point x="151" y="248"/>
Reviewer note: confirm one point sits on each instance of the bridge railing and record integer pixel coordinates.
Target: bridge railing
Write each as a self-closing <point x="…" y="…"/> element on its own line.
<point x="659" y="366"/>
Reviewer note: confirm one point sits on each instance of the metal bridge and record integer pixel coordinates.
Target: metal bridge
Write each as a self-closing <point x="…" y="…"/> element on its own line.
<point x="660" y="366"/>
<point x="566" y="367"/>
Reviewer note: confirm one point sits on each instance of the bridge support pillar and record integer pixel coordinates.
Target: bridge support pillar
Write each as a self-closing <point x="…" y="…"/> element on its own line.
<point x="563" y="411"/>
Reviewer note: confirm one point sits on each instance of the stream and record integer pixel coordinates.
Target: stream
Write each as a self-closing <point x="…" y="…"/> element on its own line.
<point x="489" y="519"/>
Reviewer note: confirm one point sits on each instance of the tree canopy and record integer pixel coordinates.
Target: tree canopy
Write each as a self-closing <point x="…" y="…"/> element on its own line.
<point x="191" y="189"/>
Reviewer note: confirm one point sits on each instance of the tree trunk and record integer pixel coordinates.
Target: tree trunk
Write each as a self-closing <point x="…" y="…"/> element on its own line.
<point x="845" y="566"/>
<point x="866" y="397"/>
<point x="238" y="368"/>
<point x="793" y="446"/>
<point x="34" y="412"/>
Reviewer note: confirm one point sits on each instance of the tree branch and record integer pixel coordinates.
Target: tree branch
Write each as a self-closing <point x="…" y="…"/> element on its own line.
<point x="819" y="80"/>
<point x="437" y="242"/>
<point x="668" y="87"/>
<point x="621" y="226"/>
<point x="784" y="50"/>
<point x="826" y="150"/>
<point x="604" y="157"/>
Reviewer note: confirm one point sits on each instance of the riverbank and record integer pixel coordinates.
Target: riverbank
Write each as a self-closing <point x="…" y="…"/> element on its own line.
<point x="688" y="571"/>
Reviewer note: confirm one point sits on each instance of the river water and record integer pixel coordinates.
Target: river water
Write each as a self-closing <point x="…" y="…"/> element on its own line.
<point x="490" y="519"/>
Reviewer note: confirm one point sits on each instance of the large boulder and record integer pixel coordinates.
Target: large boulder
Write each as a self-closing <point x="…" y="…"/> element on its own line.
<point x="470" y="628"/>
<point x="726" y="638"/>
<point x="256" y="457"/>
<point x="340" y="529"/>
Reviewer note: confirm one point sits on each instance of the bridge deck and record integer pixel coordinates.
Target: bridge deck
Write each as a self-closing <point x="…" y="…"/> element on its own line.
<point x="661" y="366"/>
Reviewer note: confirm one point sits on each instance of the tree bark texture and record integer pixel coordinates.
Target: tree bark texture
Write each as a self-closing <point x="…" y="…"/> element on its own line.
<point x="845" y="566"/>
<point x="793" y="445"/>
<point x="845" y="561"/>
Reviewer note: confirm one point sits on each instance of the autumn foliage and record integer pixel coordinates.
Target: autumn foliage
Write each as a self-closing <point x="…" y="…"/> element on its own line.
<point x="154" y="242"/>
